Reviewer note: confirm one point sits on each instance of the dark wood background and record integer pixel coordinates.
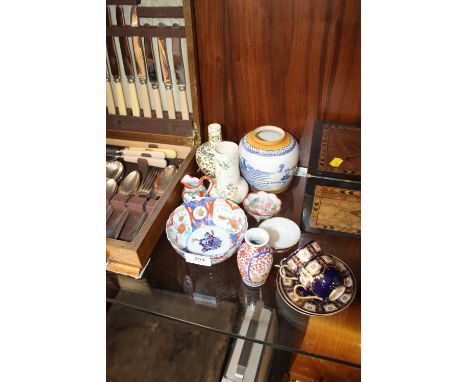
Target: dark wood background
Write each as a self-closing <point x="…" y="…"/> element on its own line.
<point x="276" y="62"/>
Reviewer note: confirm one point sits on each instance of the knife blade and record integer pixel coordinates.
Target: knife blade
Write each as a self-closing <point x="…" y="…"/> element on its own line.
<point x="114" y="67"/>
<point x="180" y="74"/>
<point x="166" y="74"/>
<point x="140" y="64"/>
<point x="109" y="96"/>
<point x="153" y="74"/>
<point x="128" y="63"/>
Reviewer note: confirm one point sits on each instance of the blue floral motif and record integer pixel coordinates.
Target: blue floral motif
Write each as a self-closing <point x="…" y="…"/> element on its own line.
<point x="263" y="179"/>
<point x="209" y="242"/>
<point x="285" y="177"/>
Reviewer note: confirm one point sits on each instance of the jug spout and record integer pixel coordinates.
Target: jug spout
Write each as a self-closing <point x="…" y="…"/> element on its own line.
<point x="190" y="181"/>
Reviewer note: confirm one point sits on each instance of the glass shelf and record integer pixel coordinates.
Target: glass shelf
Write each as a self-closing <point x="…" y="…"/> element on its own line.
<point x="214" y="298"/>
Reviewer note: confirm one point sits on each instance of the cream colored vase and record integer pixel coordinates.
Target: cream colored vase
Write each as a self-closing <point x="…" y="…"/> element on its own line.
<point x="205" y="153"/>
<point x="229" y="184"/>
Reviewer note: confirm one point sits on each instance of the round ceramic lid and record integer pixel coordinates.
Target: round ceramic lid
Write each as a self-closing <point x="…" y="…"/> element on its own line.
<point x="284" y="233"/>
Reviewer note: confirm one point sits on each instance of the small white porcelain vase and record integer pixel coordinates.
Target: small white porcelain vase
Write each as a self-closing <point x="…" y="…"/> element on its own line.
<point x="228" y="184"/>
<point x="255" y="258"/>
<point x="205" y="153"/>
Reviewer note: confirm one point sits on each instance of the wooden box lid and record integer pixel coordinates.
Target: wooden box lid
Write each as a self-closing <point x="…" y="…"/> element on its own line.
<point x="336" y="151"/>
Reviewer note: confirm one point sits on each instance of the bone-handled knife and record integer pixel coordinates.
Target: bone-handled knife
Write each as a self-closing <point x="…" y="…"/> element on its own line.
<point x="128" y="63"/>
<point x="140" y="65"/>
<point x="109" y="96"/>
<point x="115" y="68"/>
<point x="166" y="74"/>
<point x="136" y="153"/>
<point x="169" y="153"/>
<point x="154" y="162"/>
<point x="153" y="74"/>
<point x="180" y="74"/>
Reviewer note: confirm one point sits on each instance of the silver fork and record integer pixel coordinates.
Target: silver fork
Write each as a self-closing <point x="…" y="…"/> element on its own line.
<point x="146" y="185"/>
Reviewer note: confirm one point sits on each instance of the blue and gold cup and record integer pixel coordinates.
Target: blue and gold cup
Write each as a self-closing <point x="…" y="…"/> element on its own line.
<point x="315" y="281"/>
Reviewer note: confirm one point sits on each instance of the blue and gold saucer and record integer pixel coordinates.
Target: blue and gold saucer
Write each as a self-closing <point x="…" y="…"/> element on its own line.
<point x="311" y="253"/>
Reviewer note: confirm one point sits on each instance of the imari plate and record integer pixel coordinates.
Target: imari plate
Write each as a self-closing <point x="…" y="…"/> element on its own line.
<point x="315" y="307"/>
<point x="208" y="226"/>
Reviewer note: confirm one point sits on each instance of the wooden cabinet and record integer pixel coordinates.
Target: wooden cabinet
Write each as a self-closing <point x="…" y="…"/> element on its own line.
<point x="345" y="328"/>
<point x="284" y="63"/>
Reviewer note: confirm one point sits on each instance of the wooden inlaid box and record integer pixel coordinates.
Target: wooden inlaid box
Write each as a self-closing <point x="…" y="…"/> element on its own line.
<point x="332" y="203"/>
<point x="340" y="142"/>
<point x="182" y="135"/>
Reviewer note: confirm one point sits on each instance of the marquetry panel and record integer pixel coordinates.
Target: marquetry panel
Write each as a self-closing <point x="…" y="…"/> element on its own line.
<point x="336" y="209"/>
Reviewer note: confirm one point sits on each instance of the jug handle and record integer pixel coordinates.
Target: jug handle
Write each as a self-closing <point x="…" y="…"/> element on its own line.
<point x="210" y="180"/>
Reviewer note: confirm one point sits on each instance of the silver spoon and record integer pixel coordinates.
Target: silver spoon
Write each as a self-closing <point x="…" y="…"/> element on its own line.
<point x="114" y="170"/>
<point x="130" y="184"/>
<point x="111" y="186"/>
<point x="162" y="181"/>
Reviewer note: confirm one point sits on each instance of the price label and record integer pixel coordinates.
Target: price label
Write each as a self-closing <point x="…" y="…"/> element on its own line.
<point x="198" y="259"/>
<point x="336" y="162"/>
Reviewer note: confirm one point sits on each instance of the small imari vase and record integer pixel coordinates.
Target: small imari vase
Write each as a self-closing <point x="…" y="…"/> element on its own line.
<point x="268" y="158"/>
<point x="228" y="184"/>
<point x="205" y="153"/>
<point x="255" y="258"/>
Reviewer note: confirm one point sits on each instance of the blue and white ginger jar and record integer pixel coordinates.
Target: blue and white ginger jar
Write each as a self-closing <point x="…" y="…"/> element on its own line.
<point x="268" y="158"/>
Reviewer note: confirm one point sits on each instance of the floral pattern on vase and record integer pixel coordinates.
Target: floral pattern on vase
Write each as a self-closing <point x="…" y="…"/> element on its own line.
<point x="205" y="153"/>
<point x="228" y="184"/>
<point x="268" y="158"/>
<point x="255" y="258"/>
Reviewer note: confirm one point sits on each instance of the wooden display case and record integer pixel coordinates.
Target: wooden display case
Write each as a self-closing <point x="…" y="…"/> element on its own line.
<point x="131" y="257"/>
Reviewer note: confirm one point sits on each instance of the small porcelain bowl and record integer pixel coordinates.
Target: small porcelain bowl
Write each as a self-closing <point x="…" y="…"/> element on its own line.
<point x="262" y="205"/>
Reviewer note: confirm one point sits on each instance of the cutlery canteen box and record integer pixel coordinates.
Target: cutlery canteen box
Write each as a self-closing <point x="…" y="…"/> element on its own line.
<point x="136" y="128"/>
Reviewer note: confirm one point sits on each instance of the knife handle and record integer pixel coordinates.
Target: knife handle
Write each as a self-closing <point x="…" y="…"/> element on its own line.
<point x="145" y="101"/>
<point x="184" y="104"/>
<point x="147" y="154"/>
<point x="170" y="153"/>
<point x="170" y="103"/>
<point x="120" y="98"/>
<point x="110" y="99"/>
<point x="134" y="99"/>
<point x="157" y="103"/>
<point x="154" y="162"/>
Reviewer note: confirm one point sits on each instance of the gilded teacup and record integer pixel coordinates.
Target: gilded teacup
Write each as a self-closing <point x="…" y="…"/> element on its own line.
<point x="316" y="281"/>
